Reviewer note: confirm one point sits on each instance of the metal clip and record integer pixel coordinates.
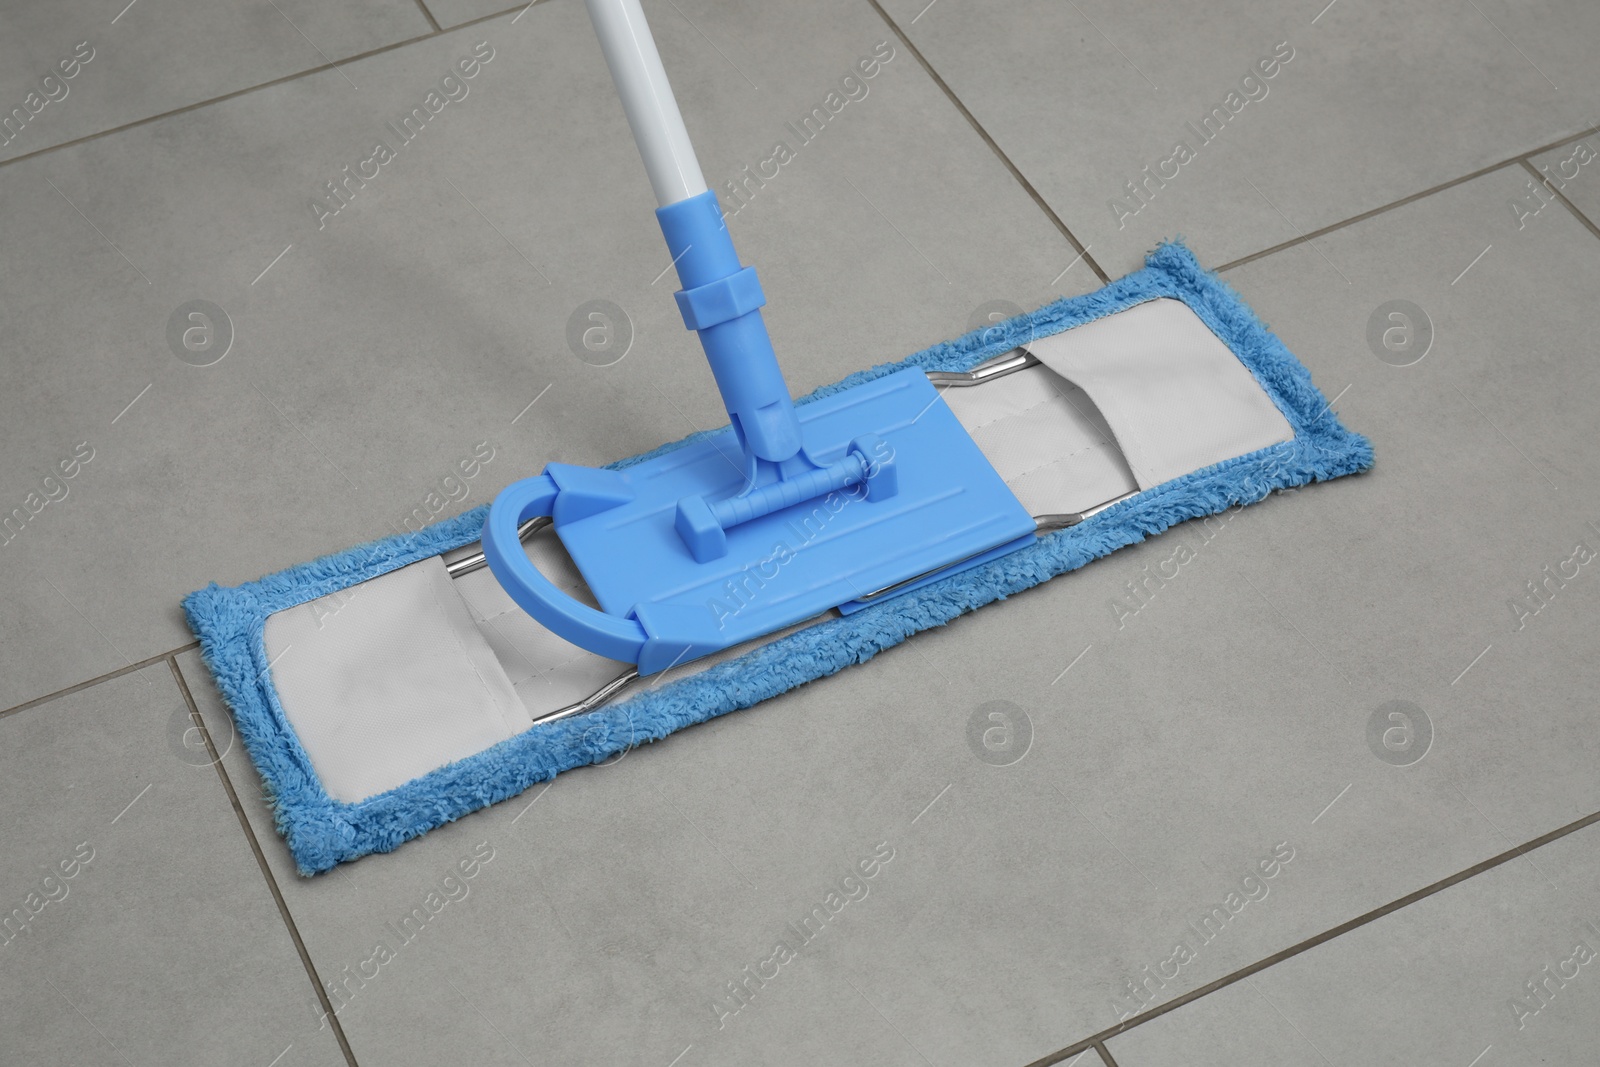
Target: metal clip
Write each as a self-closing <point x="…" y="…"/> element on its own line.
<point x="1016" y="360"/>
<point x="603" y="695"/>
<point x="594" y="700"/>
<point x="1051" y="523"/>
<point x="477" y="561"/>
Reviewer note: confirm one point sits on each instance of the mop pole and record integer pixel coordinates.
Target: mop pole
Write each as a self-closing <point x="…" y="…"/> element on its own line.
<point x="720" y="300"/>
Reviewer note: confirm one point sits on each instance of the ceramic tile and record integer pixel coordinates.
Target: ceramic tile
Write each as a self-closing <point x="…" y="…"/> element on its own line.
<point x="1333" y="701"/>
<point x="1496" y="969"/>
<point x="1366" y="104"/>
<point x="76" y="69"/>
<point x="138" y="927"/>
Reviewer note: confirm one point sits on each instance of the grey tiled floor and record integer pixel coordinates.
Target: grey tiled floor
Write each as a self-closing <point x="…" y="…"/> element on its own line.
<point x="1228" y="717"/>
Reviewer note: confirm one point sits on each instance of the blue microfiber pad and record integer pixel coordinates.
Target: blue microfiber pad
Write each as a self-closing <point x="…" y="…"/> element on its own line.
<point x="322" y="832"/>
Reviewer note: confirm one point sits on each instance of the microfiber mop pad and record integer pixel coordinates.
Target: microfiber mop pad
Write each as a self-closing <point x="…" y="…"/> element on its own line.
<point x="322" y="831"/>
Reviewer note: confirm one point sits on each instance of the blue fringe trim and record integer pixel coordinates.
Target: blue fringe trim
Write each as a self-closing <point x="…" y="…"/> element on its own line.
<point x="322" y="832"/>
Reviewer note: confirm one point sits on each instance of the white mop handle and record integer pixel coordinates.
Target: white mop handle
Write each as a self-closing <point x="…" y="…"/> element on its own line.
<point x="647" y="99"/>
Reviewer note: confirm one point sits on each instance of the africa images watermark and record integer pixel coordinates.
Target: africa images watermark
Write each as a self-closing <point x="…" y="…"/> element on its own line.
<point x="1546" y="983"/>
<point x="453" y="487"/>
<point x="1140" y="592"/>
<point x="52" y="490"/>
<point x="452" y="888"/>
<point x="1139" y="991"/>
<point x="1281" y="462"/>
<point x="453" y="89"/>
<point x="1553" y="577"/>
<point x="1399" y="333"/>
<point x="739" y="190"/>
<point x="1399" y="733"/>
<point x="52" y="889"/>
<point x="999" y="733"/>
<point x="1537" y="196"/>
<point x="53" y="89"/>
<point x="1253" y="87"/>
<point x="742" y="989"/>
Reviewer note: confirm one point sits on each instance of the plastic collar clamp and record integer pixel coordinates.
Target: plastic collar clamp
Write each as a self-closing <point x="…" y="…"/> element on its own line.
<point x="721" y="301"/>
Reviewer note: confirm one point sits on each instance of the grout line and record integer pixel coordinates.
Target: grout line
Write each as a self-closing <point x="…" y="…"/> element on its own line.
<point x="329" y="1015"/>
<point x="1077" y="245"/>
<point x="1521" y="157"/>
<point x="1570" y="206"/>
<point x="1513" y="853"/>
<point x="1365" y="215"/>
<point x="313" y="44"/>
<point x="119" y="672"/>
<point x="1082" y="249"/>
<point x="1295" y="228"/>
<point x="322" y="68"/>
<point x="429" y="16"/>
<point x="1095" y="1043"/>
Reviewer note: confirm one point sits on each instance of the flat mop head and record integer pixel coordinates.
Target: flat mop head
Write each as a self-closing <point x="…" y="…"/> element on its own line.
<point x="872" y="498"/>
<point x="1231" y="417"/>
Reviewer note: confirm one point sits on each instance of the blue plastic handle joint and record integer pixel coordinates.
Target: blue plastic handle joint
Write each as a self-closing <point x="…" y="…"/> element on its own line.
<point x="721" y="301"/>
<point x="869" y="462"/>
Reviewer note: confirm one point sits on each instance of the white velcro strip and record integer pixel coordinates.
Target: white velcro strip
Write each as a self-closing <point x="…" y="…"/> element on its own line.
<point x="1045" y="438"/>
<point x="388" y="680"/>
<point x="1176" y="397"/>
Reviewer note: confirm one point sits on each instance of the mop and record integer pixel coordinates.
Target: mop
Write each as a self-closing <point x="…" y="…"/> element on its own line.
<point x="398" y="685"/>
